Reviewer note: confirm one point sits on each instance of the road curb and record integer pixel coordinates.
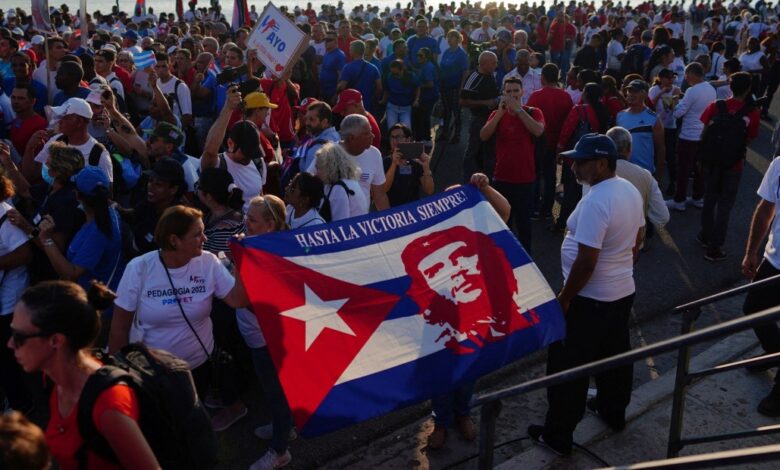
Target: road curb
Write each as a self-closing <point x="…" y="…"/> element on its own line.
<point x="643" y="399"/>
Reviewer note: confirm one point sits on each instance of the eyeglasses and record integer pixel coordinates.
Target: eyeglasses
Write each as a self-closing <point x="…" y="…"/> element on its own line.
<point x="19" y="338"/>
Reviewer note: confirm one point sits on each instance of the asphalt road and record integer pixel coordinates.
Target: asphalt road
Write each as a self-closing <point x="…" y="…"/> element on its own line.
<point x="671" y="272"/>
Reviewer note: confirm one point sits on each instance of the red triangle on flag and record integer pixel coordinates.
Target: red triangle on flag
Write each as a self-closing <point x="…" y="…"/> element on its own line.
<point x="314" y="324"/>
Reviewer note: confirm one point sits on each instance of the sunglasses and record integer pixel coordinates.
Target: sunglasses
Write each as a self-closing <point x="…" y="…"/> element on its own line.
<point x="19" y="338"/>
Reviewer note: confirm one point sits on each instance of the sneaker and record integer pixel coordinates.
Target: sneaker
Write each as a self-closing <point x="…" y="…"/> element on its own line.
<point x="697" y="203"/>
<point x="437" y="438"/>
<point x="614" y="424"/>
<point x="675" y="206"/>
<point x="266" y="432"/>
<point x="535" y="433"/>
<point x="770" y="405"/>
<point x="271" y="460"/>
<point x="700" y="240"/>
<point x="466" y="428"/>
<point x="227" y="417"/>
<point x="715" y="254"/>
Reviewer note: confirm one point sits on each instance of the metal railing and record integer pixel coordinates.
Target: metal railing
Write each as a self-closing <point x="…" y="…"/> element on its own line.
<point x="714" y="459"/>
<point x="690" y="313"/>
<point x="490" y="402"/>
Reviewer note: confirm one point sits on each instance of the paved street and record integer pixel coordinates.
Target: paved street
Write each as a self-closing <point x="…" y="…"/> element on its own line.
<point x="673" y="271"/>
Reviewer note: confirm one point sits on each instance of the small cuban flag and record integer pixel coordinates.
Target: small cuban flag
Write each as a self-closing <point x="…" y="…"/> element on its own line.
<point x="370" y="314"/>
<point x="144" y="59"/>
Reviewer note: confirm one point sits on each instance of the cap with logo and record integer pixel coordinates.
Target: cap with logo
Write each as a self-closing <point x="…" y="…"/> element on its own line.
<point x="168" y="132"/>
<point x="76" y="106"/>
<point x="592" y="146"/>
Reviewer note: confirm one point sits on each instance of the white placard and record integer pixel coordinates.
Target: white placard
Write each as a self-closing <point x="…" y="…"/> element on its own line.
<point x="277" y="41"/>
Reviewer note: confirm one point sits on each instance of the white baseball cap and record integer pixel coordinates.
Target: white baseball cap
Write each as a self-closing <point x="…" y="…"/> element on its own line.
<point x="37" y="40"/>
<point x="76" y="106"/>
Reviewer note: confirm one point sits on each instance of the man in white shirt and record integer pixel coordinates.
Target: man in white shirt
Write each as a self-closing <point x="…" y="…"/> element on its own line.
<point x="691" y="106"/>
<point x="104" y="65"/>
<point x="531" y="79"/>
<point x="73" y="118"/>
<point x="175" y="88"/>
<point x="766" y="221"/>
<point x="356" y="138"/>
<point x="597" y="258"/>
<point x="675" y="26"/>
<point x="484" y="33"/>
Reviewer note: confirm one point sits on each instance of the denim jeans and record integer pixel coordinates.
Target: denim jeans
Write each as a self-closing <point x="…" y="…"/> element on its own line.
<point x="562" y="59"/>
<point x="281" y="418"/>
<point x="395" y="114"/>
<point x="455" y="403"/>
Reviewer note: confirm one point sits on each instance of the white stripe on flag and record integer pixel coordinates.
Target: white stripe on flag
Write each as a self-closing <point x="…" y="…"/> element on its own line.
<point x="370" y="264"/>
<point x="144" y="59"/>
<point x="402" y="340"/>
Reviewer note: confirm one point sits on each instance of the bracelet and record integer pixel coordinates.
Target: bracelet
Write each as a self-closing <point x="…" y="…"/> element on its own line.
<point x="48" y="242"/>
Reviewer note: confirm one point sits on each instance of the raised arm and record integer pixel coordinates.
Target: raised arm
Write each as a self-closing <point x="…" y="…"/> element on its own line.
<point x="216" y="134"/>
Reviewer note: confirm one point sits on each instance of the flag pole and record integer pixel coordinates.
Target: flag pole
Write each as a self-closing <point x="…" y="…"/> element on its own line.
<point x="83" y="25"/>
<point x="48" y="67"/>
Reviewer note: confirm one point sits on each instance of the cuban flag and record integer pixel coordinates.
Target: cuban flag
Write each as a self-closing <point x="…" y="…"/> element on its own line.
<point x="370" y="314"/>
<point x="240" y="15"/>
<point x="144" y="59"/>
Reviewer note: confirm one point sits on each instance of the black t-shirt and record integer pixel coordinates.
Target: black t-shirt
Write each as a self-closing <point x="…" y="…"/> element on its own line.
<point x="406" y="183"/>
<point x="480" y="86"/>
<point x="143" y="220"/>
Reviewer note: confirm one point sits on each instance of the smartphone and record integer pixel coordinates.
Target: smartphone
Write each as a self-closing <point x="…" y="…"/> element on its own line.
<point x="411" y="150"/>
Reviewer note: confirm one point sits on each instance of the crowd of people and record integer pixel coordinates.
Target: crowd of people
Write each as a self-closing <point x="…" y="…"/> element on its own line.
<point x="134" y="147"/>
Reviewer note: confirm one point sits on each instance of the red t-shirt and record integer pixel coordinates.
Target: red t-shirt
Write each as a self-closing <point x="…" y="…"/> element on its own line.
<point x="281" y="117"/>
<point x="124" y="77"/>
<point x="559" y="33"/>
<point x="374" y="130"/>
<point x="343" y="44"/>
<point x="188" y="77"/>
<point x="570" y="124"/>
<point x="733" y="105"/>
<point x="614" y="106"/>
<point x="515" y="160"/>
<point x="62" y="433"/>
<point x="555" y="105"/>
<point x="23" y="129"/>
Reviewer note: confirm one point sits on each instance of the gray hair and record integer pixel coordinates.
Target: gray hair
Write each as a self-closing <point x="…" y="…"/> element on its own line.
<point x="334" y="164"/>
<point x="622" y="139"/>
<point x="523" y="53"/>
<point x="210" y="40"/>
<point x="485" y="55"/>
<point x="353" y="124"/>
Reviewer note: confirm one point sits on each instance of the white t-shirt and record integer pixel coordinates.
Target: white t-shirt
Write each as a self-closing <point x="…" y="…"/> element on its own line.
<point x="16" y="280"/>
<point x="690" y="108"/>
<point x="770" y="191"/>
<point x="614" y="49"/>
<point x="343" y="206"/>
<point x="723" y="92"/>
<point x="751" y="61"/>
<point x="247" y="178"/>
<point x="85" y="148"/>
<point x="311" y="217"/>
<point x="663" y="109"/>
<point x="39" y="75"/>
<point x="372" y="171"/>
<point x="115" y="84"/>
<point x="608" y="217"/>
<point x="183" y="103"/>
<point x="675" y="28"/>
<point x="145" y="290"/>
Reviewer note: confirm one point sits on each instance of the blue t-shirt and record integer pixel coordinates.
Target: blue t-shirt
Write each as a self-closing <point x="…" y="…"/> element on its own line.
<point x="332" y="63"/>
<point x="640" y="125"/>
<point x="428" y="73"/>
<point x="452" y="66"/>
<point x="202" y="107"/>
<point x="61" y="97"/>
<point x="99" y="255"/>
<point x="41" y="97"/>
<point x="5" y="69"/>
<point x="415" y="43"/>
<point x="385" y="68"/>
<point x="501" y="73"/>
<point x="400" y="91"/>
<point x="362" y="76"/>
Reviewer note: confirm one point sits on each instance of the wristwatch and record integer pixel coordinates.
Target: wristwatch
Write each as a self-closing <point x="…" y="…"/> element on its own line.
<point x="34" y="233"/>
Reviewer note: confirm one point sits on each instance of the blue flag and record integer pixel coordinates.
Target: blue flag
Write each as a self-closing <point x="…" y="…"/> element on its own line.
<point x="144" y="59"/>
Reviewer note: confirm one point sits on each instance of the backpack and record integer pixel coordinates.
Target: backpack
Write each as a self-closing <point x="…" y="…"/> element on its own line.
<point x="583" y="127"/>
<point x="325" y="207"/>
<point x="172" y="419"/>
<point x="93" y="159"/>
<point x="724" y="139"/>
<point x="634" y="60"/>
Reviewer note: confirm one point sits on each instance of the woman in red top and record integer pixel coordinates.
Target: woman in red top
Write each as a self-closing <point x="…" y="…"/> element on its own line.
<point x="612" y="98"/>
<point x="593" y="110"/>
<point x="53" y="327"/>
<point x="542" y="29"/>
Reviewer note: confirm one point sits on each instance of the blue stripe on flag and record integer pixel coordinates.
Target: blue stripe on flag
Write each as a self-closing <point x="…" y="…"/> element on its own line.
<point x="144" y="59"/>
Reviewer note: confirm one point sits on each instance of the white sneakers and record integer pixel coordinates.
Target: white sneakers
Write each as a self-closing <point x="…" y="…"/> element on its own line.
<point x="271" y="460"/>
<point x="266" y="432"/>
<point x="680" y="206"/>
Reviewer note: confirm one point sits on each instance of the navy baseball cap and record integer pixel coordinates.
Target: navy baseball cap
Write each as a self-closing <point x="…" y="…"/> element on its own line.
<point x="593" y="146"/>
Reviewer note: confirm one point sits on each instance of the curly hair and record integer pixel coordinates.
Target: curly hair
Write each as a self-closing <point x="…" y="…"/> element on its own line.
<point x="333" y="164"/>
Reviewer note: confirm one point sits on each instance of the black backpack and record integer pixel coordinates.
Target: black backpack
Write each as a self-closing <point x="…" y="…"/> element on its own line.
<point x="325" y="207"/>
<point x="172" y="419"/>
<point x="583" y="127"/>
<point x="634" y="60"/>
<point x="724" y="139"/>
<point x="93" y="159"/>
